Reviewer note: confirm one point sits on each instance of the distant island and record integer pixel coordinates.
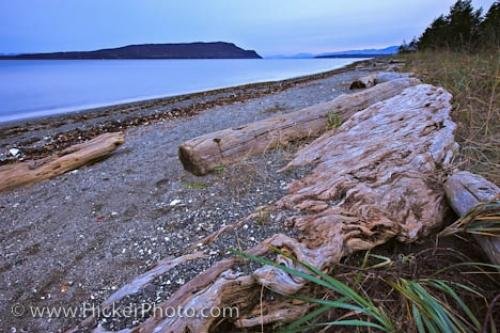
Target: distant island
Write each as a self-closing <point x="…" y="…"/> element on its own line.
<point x="366" y="53"/>
<point x="198" y="50"/>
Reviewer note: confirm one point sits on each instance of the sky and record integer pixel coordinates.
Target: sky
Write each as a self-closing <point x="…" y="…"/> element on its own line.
<point x="271" y="27"/>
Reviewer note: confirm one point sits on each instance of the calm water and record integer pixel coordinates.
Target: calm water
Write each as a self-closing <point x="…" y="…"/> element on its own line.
<point x="37" y="88"/>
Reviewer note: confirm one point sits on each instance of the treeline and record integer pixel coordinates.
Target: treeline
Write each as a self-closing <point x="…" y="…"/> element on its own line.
<point x="464" y="28"/>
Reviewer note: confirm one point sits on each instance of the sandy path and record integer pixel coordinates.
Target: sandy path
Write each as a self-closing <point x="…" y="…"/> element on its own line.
<point x="79" y="236"/>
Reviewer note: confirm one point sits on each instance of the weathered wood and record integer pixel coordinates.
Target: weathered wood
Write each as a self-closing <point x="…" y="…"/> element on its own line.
<point x="23" y="173"/>
<point x="376" y="78"/>
<point x="465" y="191"/>
<point x="203" y="154"/>
<point x="373" y="180"/>
<point x="364" y="82"/>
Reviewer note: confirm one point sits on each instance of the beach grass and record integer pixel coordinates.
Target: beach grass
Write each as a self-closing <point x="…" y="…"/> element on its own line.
<point x="385" y="294"/>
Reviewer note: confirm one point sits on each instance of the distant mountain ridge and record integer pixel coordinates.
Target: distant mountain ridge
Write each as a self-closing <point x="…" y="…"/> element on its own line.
<point x="361" y="53"/>
<point x="197" y="50"/>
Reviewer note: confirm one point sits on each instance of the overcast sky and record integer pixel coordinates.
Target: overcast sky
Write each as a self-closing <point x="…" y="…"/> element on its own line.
<point x="269" y="26"/>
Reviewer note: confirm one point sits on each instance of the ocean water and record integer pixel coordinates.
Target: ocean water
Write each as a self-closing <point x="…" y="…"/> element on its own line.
<point x="43" y="87"/>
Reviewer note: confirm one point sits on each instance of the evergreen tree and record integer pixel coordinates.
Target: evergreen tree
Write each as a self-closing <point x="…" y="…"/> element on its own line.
<point x="463" y="25"/>
<point x="435" y="35"/>
<point x="489" y="29"/>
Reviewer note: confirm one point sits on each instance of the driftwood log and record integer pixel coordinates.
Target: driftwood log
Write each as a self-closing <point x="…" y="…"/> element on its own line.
<point x="465" y="191"/>
<point x="364" y="82"/>
<point x="374" y="178"/>
<point x="203" y="154"/>
<point x="23" y="173"/>
<point x="375" y="78"/>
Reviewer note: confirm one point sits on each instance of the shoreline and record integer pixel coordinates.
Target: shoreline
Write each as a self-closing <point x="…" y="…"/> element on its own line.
<point x="38" y="137"/>
<point x="139" y="205"/>
<point x="137" y="101"/>
<point x="68" y="110"/>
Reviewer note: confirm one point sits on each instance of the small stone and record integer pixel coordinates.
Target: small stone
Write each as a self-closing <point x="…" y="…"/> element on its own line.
<point x="14" y="152"/>
<point x="149" y="291"/>
<point x="180" y="281"/>
<point x="174" y="202"/>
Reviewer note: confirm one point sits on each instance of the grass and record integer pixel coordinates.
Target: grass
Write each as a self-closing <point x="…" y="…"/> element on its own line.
<point x="263" y="216"/>
<point x="474" y="80"/>
<point x="219" y="169"/>
<point x="333" y="120"/>
<point x="483" y="220"/>
<point x="195" y="185"/>
<point x="389" y="293"/>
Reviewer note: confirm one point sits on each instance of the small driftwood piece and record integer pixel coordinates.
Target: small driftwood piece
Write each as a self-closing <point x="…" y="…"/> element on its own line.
<point x="364" y="82"/>
<point x="465" y="192"/>
<point x="23" y="173"/>
<point x="205" y="153"/>
<point x="374" y="179"/>
<point x="375" y="78"/>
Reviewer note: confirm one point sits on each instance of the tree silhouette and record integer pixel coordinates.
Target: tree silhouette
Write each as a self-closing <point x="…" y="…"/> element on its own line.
<point x="489" y="29"/>
<point x="463" y="25"/>
<point x="462" y="29"/>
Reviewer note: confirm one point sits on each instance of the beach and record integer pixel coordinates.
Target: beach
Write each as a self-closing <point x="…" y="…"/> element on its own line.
<point x="79" y="237"/>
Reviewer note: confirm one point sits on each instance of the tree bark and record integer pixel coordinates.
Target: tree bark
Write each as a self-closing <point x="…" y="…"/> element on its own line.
<point x="465" y="191"/>
<point x="23" y="173"/>
<point x="205" y="153"/>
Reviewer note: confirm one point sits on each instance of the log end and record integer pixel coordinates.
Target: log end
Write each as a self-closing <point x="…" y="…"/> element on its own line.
<point x="190" y="162"/>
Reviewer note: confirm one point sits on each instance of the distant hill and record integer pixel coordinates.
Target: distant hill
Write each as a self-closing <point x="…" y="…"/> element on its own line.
<point x="360" y="53"/>
<point x="292" y="56"/>
<point x="198" y="50"/>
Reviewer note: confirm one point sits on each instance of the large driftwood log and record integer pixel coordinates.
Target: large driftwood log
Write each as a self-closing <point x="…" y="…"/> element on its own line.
<point x="203" y="154"/>
<point x="465" y="191"/>
<point x="374" y="179"/>
<point x="14" y="175"/>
